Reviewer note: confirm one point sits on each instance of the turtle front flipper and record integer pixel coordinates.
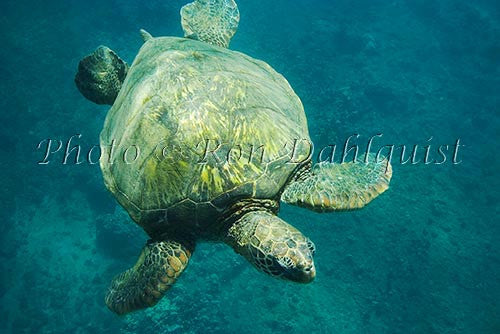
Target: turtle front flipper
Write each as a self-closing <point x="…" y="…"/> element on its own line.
<point x="142" y="286"/>
<point x="336" y="187"/>
<point x="100" y="76"/>
<point x="211" y="21"/>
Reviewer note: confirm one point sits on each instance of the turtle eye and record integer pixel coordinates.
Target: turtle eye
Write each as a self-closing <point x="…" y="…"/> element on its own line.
<point x="285" y="262"/>
<point x="311" y="246"/>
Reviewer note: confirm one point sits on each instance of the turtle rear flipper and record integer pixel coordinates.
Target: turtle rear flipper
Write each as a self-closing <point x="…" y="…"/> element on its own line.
<point x="156" y="270"/>
<point x="211" y="21"/>
<point x="100" y="76"/>
<point x="337" y="187"/>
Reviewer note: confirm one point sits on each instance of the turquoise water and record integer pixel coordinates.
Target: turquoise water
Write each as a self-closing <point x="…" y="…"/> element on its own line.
<point x="422" y="258"/>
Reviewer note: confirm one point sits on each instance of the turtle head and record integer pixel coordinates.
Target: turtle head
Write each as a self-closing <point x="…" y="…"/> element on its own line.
<point x="297" y="263"/>
<point x="273" y="246"/>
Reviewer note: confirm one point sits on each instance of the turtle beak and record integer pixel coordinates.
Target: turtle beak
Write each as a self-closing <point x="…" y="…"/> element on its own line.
<point x="309" y="274"/>
<point x="300" y="265"/>
<point x="304" y="275"/>
<point x="301" y="274"/>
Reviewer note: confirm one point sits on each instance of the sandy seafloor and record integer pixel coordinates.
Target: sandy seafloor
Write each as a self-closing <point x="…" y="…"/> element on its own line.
<point x="423" y="258"/>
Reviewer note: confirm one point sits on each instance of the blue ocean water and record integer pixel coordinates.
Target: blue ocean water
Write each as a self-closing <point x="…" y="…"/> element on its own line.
<point x="422" y="258"/>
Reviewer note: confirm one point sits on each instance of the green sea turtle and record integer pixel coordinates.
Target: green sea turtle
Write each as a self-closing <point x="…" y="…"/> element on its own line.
<point x="216" y="136"/>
